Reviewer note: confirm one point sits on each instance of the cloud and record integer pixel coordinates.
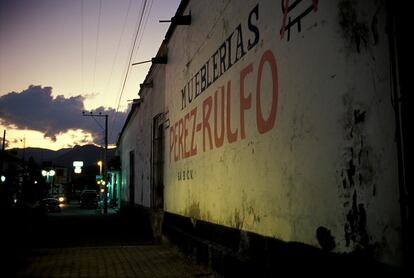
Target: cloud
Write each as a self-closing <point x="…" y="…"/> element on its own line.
<point x="36" y="109"/>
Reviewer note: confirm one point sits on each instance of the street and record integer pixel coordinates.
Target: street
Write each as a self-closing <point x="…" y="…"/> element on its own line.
<point x="81" y="243"/>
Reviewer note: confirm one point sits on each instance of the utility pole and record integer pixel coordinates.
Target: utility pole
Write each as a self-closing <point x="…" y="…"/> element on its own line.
<point x="105" y="166"/>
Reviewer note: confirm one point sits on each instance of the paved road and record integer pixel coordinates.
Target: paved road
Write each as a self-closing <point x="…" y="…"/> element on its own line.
<point x="79" y="243"/>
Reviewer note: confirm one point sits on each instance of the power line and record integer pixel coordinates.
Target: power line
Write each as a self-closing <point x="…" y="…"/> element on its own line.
<point x="82" y="68"/>
<point x="129" y="63"/>
<point x="132" y="52"/>
<point x="96" y="44"/>
<point x="145" y="25"/>
<point x="98" y="123"/>
<point x="117" y="47"/>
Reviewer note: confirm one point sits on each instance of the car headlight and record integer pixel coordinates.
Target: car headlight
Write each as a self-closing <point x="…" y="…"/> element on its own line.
<point x="61" y="199"/>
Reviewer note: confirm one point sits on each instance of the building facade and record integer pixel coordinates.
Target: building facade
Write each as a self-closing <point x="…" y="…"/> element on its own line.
<point x="270" y="120"/>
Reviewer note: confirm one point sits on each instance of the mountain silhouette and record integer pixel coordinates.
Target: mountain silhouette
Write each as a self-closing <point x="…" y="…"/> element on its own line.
<point x="89" y="154"/>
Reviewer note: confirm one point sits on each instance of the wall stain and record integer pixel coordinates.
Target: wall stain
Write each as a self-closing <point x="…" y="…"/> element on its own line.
<point x="357" y="176"/>
<point x="298" y="128"/>
<point x="359" y="165"/>
<point x="359" y="116"/>
<point x="374" y="25"/>
<point x="252" y="213"/>
<point x="238" y="219"/>
<point x="354" y="30"/>
<point x="193" y="210"/>
<point x="356" y="225"/>
<point x="244" y="215"/>
<point x="350" y="171"/>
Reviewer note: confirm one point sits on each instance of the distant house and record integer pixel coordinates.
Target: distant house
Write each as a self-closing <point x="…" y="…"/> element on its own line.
<point x="21" y="183"/>
<point x="11" y="172"/>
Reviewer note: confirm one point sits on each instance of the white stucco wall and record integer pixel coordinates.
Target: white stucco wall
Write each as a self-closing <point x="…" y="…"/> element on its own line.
<point x="153" y="104"/>
<point x="137" y="137"/>
<point x="125" y="146"/>
<point x="313" y="129"/>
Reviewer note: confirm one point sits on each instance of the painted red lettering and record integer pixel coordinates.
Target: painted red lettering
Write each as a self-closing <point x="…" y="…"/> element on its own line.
<point x="176" y="151"/>
<point x="206" y="123"/>
<point x="172" y="141"/>
<point x="180" y="138"/>
<point x="219" y="139"/>
<point x="245" y="102"/>
<point x="182" y="147"/>
<point x="264" y="125"/>
<point x="186" y="118"/>
<point x="231" y="136"/>
<point x="193" y="145"/>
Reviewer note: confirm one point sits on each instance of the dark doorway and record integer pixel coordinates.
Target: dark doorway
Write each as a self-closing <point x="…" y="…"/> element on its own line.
<point x="157" y="191"/>
<point x="131" y="178"/>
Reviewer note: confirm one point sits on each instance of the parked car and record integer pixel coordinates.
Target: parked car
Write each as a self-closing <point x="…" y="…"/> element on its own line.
<point x="60" y="197"/>
<point x="51" y="205"/>
<point x="89" y="198"/>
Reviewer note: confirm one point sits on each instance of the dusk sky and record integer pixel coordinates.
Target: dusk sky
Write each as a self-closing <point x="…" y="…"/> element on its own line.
<point x="60" y="57"/>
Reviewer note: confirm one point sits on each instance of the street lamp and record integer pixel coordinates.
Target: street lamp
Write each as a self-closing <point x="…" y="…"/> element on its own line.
<point x="49" y="173"/>
<point x="49" y="176"/>
<point x="100" y="167"/>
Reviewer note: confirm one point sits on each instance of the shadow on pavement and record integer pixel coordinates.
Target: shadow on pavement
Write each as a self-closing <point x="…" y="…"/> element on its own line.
<point x="28" y="229"/>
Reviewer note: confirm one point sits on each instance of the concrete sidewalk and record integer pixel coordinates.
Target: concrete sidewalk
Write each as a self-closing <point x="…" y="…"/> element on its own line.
<point x="109" y="261"/>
